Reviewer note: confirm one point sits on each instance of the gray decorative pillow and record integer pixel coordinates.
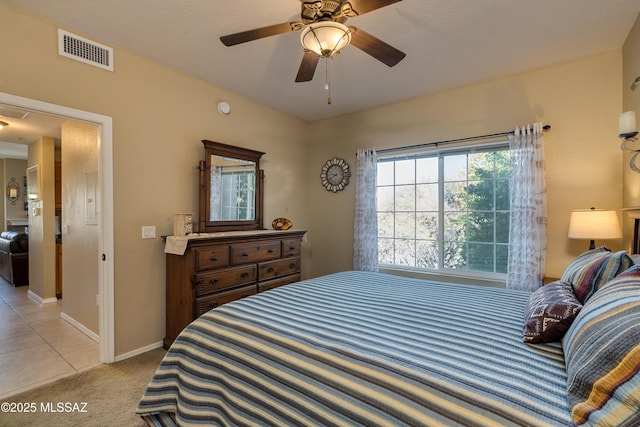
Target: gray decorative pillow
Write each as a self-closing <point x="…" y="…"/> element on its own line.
<point x="550" y="311"/>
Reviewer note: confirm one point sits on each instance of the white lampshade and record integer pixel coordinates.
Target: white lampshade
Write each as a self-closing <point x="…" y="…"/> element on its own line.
<point x="591" y="224"/>
<point x="325" y="38"/>
<point x="627" y="123"/>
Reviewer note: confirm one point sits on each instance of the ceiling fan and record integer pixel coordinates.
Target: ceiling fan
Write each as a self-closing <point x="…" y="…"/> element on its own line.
<point x="317" y="20"/>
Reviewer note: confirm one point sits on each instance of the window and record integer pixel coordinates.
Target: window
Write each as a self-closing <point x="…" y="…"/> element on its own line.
<point x="445" y="211"/>
<point x="238" y="194"/>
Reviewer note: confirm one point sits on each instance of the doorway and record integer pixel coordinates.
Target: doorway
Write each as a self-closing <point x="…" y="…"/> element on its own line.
<point x="105" y="253"/>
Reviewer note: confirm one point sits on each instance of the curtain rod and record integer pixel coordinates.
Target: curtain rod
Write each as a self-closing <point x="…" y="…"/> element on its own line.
<point x="451" y="141"/>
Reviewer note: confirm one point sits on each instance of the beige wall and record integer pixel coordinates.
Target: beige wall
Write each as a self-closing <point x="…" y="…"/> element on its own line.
<point x="79" y="225"/>
<point x="160" y="116"/>
<point x="42" y="268"/>
<point x="579" y="99"/>
<point x="631" y="102"/>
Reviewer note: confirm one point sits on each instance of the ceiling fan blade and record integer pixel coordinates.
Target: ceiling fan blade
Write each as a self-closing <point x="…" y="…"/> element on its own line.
<point x="375" y="47"/>
<point x="259" y="33"/>
<point x="363" y="6"/>
<point x="307" y="67"/>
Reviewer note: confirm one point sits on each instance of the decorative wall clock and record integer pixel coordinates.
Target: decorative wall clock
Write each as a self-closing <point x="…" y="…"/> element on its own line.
<point x="335" y="175"/>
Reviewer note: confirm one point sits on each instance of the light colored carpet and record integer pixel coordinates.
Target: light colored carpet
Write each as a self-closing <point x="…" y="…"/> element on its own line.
<point x="111" y="394"/>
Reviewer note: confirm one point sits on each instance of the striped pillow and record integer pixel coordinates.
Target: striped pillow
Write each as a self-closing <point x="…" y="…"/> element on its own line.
<point x="602" y="355"/>
<point x="593" y="268"/>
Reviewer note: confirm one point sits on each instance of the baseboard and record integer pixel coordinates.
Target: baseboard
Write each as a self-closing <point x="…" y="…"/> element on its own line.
<point x="138" y="351"/>
<point x="37" y="298"/>
<point x="88" y="332"/>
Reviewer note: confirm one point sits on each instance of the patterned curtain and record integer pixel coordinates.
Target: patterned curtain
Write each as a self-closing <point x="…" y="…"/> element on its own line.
<point x="365" y="239"/>
<point x="215" y="205"/>
<point x="528" y="224"/>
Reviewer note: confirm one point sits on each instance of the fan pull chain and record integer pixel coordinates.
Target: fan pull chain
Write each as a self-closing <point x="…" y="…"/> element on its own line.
<point x="327" y="85"/>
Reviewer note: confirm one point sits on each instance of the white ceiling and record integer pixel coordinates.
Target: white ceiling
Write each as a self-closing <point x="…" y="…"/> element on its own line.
<point x="448" y="43"/>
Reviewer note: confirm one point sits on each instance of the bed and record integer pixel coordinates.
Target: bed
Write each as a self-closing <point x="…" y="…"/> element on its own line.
<point x="371" y="349"/>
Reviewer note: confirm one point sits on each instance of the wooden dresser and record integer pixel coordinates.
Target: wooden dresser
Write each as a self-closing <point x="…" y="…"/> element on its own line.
<point x="222" y="267"/>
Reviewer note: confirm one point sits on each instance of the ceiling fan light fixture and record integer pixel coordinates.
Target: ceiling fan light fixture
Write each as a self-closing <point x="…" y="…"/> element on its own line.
<point x="325" y="38"/>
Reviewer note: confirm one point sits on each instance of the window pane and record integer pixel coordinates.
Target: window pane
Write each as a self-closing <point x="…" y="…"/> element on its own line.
<point x="426" y="254"/>
<point x="502" y="257"/>
<point x="385" y="173"/>
<point x="480" y="195"/>
<point x="502" y="227"/>
<point x="405" y="252"/>
<point x="405" y="172"/>
<point x="385" y="251"/>
<point x="455" y="196"/>
<point x="480" y="166"/>
<point x="455" y="167"/>
<point x="427" y="225"/>
<point x="480" y="257"/>
<point x="427" y="170"/>
<point x="455" y="227"/>
<point x="405" y="225"/>
<point x="385" y="224"/>
<point x="455" y="255"/>
<point x="405" y="198"/>
<point x="480" y="227"/>
<point x="502" y="195"/>
<point x="385" y="198"/>
<point x="427" y="197"/>
<point x="503" y="164"/>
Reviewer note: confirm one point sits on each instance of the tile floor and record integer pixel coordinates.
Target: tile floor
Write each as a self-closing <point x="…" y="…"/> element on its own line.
<point x="36" y="345"/>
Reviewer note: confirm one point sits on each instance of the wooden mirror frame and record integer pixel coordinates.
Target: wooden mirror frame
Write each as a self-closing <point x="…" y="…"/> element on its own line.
<point x="206" y="225"/>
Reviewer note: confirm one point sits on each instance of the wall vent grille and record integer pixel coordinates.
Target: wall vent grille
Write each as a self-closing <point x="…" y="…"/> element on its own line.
<point x="84" y="50"/>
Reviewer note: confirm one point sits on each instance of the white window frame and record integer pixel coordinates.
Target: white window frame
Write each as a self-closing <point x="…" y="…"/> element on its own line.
<point x="441" y="271"/>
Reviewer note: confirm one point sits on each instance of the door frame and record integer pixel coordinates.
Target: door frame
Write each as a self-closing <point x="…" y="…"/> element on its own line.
<point x="106" y="311"/>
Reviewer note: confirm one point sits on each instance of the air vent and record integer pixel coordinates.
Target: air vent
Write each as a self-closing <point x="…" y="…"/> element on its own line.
<point x="83" y="50"/>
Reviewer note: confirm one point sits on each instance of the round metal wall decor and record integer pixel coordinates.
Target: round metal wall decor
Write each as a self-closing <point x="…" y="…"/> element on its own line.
<point x="335" y="175"/>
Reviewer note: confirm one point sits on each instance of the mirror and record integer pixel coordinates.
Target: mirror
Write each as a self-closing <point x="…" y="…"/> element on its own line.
<point x="231" y="186"/>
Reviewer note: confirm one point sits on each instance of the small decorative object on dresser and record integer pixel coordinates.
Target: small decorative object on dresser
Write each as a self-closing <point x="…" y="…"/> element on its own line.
<point x="182" y="224"/>
<point x="281" y="224"/>
<point x="217" y="268"/>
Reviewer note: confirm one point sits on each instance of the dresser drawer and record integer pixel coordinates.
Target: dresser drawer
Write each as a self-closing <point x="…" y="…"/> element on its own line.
<point x="291" y="247"/>
<point x="255" y="251"/>
<point x="227" y="278"/>
<point x="207" y="303"/>
<point x="281" y="267"/>
<point x="209" y="257"/>
<point x="270" y="284"/>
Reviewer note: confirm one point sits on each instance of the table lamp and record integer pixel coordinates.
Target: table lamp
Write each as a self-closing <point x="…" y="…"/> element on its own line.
<point x="591" y="224"/>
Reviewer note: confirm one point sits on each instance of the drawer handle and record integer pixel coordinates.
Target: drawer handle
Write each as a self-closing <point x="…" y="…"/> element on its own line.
<point x="270" y="251"/>
<point x="213" y="258"/>
<point x="213" y="305"/>
<point x="292" y="265"/>
<point x="213" y="281"/>
<point x="244" y="275"/>
<point x="270" y="270"/>
<point x="245" y="254"/>
<point x="292" y="248"/>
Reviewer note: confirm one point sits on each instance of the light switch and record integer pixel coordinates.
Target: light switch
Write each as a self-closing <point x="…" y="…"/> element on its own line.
<point x="148" y="231"/>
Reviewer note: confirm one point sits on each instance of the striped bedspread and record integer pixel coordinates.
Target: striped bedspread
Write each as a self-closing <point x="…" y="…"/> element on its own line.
<point x="358" y="348"/>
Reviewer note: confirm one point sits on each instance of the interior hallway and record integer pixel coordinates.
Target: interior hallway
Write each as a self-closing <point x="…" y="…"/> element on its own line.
<point x="36" y="345"/>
